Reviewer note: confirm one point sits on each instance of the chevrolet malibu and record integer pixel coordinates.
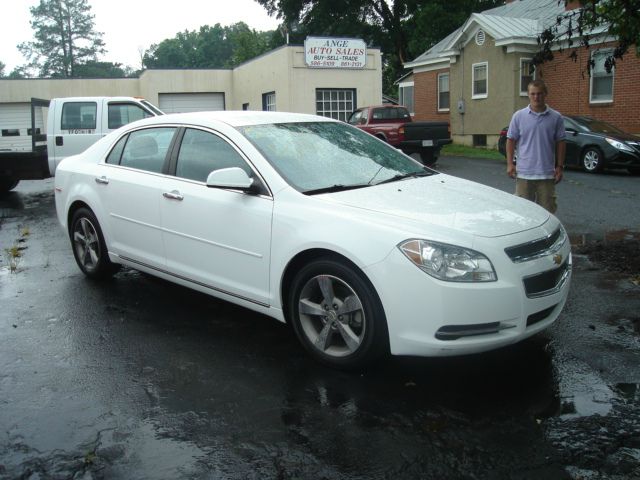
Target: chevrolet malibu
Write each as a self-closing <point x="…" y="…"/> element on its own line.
<point x="361" y="249"/>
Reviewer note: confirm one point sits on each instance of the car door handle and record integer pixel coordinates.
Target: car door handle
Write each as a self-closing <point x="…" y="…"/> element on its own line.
<point x="173" y="195"/>
<point x="104" y="180"/>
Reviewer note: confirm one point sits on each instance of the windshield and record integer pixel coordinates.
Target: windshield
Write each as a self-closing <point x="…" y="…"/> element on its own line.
<point x="316" y="157"/>
<point x="152" y="107"/>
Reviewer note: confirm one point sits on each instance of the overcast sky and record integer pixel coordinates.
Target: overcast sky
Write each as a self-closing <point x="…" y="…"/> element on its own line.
<point x="128" y="25"/>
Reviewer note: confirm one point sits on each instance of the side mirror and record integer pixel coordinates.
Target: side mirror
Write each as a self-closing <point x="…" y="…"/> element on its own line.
<point x="233" y="178"/>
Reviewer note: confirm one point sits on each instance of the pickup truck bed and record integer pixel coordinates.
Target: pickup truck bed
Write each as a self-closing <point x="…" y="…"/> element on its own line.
<point x="394" y="125"/>
<point x="426" y="139"/>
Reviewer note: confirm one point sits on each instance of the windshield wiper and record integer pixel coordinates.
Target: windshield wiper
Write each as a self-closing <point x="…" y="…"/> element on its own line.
<point x="404" y="176"/>
<point x="334" y="188"/>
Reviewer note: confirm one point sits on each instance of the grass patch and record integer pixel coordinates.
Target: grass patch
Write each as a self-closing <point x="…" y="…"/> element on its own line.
<point x="13" y="256"/>
<point x="454" y="150"/>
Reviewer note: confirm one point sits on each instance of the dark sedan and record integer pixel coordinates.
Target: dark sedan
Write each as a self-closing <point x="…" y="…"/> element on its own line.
<point x="593" y="145"/>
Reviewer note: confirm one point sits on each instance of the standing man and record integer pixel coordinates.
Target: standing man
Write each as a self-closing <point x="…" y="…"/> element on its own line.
<point x="538" y="131"/>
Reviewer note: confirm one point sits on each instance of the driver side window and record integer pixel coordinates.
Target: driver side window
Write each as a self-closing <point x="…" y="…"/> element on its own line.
<point x="203" y="152"/>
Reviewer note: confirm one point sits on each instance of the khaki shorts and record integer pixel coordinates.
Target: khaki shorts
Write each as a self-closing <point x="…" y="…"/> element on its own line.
<point x="543" y="192"/>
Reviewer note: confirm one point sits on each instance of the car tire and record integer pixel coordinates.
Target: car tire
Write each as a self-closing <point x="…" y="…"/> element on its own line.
<point x="337" y="316"/>
<point x="89" y="248"/>
<point x="634" y="170"/>
<point x="7" y="184"/>
<point x="592" y="160"/>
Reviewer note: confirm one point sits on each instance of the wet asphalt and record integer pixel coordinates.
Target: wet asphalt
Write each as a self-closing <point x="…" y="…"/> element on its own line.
<point x="137" y="378"/>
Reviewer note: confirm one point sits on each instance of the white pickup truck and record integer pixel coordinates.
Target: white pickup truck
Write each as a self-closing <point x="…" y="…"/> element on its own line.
<point x="29" y="151"/>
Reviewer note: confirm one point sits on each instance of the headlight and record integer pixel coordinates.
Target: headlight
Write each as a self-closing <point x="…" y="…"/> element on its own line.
<point x="449" y="262"/>
<point x="619" y="145"/>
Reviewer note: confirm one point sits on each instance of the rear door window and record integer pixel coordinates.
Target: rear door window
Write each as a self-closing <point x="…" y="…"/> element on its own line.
<point x="120" y="114"/>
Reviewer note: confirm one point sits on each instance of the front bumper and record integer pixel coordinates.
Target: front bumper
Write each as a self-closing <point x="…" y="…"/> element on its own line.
<point x="429" y="317"/>
<point x="624" y="159"/>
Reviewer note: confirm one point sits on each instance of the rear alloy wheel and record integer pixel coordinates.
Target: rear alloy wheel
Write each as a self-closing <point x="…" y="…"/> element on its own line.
<point x="592" y="160"/>
<point x="89" y="248"/>
<point x="337" y="315"/>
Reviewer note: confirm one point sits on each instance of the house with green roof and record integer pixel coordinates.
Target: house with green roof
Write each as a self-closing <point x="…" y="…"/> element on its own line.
<point x="477" y="76"/>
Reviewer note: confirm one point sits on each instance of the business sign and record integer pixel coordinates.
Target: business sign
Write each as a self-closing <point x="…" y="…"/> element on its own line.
<point x="325" y="52"/>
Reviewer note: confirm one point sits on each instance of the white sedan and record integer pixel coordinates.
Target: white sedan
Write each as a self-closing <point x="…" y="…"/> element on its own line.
<point x="361" y="249"/>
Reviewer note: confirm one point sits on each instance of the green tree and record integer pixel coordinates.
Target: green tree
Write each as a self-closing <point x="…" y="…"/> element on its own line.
<point x="619" y="18"/>
<point x="100" y="70"/>
<point x="209" y="47"/>
<point x="403" y="29"/>
<point x="2" y="67"/>
<point x="64" y="37"/>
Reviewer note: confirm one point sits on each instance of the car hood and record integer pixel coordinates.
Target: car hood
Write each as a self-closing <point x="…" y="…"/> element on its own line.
<point x="449" y="202"/>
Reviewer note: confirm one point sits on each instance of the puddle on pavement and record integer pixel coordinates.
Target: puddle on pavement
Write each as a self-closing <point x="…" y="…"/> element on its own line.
<point x="598" y="400"/>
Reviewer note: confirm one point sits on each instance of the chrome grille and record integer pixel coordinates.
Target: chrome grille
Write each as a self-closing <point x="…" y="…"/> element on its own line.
<point x="537" y="248"/>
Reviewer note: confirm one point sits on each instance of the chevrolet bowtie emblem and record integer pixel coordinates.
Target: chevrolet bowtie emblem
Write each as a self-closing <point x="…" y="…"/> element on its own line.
<point x="557" y="259"/>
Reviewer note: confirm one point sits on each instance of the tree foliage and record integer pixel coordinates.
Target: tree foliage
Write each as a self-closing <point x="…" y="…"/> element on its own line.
<point x="101" y="70"/>
<point x="64" y="38"/>
<point x="620" y="19"/>
<point x="403" y="29"/>
<point x="210" y="47"/>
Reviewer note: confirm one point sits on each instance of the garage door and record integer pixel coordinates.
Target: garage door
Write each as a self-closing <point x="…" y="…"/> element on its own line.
<point x="190" y="102"/>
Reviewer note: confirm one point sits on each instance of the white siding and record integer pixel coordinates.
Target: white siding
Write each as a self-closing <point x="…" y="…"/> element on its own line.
<point x="17" y="116"/>
<point x="190" y="102"/>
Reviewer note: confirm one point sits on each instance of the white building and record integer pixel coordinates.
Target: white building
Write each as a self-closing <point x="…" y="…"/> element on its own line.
<point x="284" y="79"/>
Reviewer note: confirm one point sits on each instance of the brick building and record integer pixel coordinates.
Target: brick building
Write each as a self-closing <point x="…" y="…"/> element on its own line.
<point x="476" y="77"/>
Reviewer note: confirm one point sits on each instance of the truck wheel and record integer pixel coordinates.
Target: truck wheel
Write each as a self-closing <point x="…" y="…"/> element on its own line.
<point x="428" y="157"/>
<point x="7" y="184"/>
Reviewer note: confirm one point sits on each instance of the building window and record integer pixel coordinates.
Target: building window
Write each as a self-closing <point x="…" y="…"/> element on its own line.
<point x="479" y="140"/>
<point x="601" y="87"/>
<point x="405" y="94"/>
<point x="527" y="75"/>
<point x="479" y="79"/>
<point x="269" y="102"/>
<point x="443" y="92"/>
<point x="335" y="103"/>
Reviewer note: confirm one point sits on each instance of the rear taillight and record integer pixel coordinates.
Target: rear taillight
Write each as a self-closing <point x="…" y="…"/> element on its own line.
<point x="503" y="132"/>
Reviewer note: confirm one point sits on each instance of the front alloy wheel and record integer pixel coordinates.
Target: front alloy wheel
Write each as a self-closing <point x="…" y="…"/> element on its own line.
<point x="592" y="160"/>
<point x="337" y="315"/>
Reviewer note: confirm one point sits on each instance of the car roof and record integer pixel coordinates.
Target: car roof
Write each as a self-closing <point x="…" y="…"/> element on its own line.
<point x="236" y="118"/>
<point x="387" y="105"/>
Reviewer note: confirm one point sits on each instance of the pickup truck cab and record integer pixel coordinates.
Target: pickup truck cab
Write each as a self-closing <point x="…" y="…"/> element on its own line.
<point x="53" y="130"/>
<point x="394" y="125"/>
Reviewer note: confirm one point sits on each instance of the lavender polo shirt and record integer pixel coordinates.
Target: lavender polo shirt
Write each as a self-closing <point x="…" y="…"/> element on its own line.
<point x="536" y="135"/>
